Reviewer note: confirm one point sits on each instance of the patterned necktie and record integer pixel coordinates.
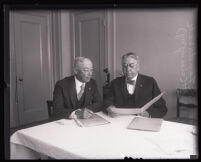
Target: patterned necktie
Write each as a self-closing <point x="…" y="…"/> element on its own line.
<point x="81" y="92"/>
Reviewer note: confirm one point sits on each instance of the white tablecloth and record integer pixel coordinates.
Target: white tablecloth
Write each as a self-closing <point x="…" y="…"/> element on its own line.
<point x="63" y="139"/>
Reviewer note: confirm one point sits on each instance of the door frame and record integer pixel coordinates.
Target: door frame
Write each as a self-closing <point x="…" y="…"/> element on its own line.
<point x="54" y="62"/>
<point x="110" y="35"/>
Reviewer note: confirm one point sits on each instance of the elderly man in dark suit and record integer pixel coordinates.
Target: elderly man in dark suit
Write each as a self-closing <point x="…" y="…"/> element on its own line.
<point x="134" y="90"/>
<point x="77" y="95"/>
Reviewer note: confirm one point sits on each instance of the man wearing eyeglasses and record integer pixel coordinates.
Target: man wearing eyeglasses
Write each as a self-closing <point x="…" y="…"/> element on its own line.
<point x="77" y="96"/>
<point x="134" y="90"/>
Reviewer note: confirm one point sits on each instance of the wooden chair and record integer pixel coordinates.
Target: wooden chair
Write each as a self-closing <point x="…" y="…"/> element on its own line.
<point x="105" y="90"/>
<point x="183" y="120"/>
<point x="50" y="108"/>
<point x="188" y="94"/>
<point x="107" y="82"/>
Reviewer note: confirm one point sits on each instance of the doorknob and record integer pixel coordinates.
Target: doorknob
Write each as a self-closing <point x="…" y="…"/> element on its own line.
<point x="107" y="75"/>
<point x="6" y="85"/>
<point x="20" y="79"/>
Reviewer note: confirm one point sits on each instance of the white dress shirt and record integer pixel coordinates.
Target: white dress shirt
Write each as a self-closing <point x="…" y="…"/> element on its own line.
<point x="131" y="88"/>
<point x="78" y="85"/>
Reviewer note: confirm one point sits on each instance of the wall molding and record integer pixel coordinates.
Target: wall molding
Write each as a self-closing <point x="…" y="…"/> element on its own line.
<point x="72" y="38"/>
<point x="57" y="46"/>
<point x="111" y="42"/>
<point x="14" y="116"/>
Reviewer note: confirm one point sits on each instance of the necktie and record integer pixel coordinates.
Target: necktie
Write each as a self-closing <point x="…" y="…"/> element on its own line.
<point x="130" y="88"/>
<point x="132" y="82"/>
<point x="81" y="92"/>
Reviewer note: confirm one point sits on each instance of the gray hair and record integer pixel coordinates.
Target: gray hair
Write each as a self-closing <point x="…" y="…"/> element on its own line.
<point x="130" y="54"/>
<point x="80" y="60"/>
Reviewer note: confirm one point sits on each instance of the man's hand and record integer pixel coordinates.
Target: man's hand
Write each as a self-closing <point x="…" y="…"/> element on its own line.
<point x="111" y="113"/>
<point x="144" y="114"/>
<point x="86" y="113"/>
<point x="83" y="113"/>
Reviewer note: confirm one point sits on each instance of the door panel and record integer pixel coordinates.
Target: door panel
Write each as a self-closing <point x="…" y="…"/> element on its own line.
<point x="32" y="67"/>
<point x="90" y="41"/>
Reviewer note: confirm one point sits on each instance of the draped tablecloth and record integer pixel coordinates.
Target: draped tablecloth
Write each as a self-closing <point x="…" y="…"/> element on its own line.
<point x="64" y="139"/>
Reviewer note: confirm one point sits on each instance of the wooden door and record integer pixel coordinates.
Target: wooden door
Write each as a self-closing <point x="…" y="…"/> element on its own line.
<point x="90" y="40"/>
<point x="33" y="71"/>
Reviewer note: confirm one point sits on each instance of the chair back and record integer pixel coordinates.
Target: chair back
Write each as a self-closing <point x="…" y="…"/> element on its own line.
<point x="50" y="108"/>
<point x="187" y="92"/>
<point x="188" y="95"/>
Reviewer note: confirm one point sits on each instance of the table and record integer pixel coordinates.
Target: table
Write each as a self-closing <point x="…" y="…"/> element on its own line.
<point x="63" y="139"/>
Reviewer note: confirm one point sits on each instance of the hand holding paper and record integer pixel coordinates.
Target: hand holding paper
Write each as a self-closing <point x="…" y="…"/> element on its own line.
<point x="125" y="111"/>
<point x="144" y="114"/>
<point x="146" y="106"/>
<point x="94" y="120"/>
<point x="130" y="111"/>
<point x="111" y="112"/>
<point x="87" y="113"/>
<point x="83" y="113"/>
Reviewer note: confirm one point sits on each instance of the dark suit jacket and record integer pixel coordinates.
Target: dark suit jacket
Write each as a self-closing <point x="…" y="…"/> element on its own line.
<point x="145" y="90"/>
<point x="65" y="97"/>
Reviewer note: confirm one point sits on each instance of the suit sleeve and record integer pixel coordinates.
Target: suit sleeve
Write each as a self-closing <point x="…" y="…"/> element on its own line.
<point x="158" y="109"/>
<point x="59" y="109"/>
<point x="96" y="103"/>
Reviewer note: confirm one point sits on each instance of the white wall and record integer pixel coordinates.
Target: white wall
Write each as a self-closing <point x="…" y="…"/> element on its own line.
<point x="164" y="39"/>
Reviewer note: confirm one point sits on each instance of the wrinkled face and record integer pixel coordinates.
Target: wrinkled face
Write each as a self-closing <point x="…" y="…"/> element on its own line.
<point x="84" y="71"/>
<point x="130" y="67"/>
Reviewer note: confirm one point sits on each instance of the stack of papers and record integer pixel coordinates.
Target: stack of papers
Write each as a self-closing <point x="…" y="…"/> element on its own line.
<point x="147" y="124"/>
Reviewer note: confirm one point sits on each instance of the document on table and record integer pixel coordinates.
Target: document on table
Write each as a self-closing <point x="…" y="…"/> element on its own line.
<point x="143" y="123"/>
<point x="130" y="111"/>
<point x="94" y="120"/>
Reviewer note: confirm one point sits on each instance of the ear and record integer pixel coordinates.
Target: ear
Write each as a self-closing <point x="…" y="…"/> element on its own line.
<point x="75" y="71"/>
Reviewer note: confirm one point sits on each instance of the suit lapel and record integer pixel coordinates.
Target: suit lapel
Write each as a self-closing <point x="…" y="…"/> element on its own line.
<point x="124" y="87"/>
<point x="73" y="94"/>
<point x="138" y="88"/>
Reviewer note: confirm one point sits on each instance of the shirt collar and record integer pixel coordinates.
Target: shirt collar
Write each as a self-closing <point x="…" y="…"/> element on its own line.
<point x="135" y="78"/>
<point x="78" y="83"/>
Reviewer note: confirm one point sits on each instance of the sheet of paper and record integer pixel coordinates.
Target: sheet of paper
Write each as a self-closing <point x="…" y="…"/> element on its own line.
<point x="147" y="124"/>
<point x="146" y="106"/>
<point x="126" y="111"/>
<point x="130" y="111"/>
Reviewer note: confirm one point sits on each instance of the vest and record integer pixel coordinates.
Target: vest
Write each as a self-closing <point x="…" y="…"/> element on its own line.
<point x="130" y="100"/>
<point x="80" y="103"/>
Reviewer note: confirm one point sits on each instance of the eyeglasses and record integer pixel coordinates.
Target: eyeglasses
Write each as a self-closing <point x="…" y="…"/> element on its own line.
<point x="87" y="70"/>
<point x="132" y="65"/>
